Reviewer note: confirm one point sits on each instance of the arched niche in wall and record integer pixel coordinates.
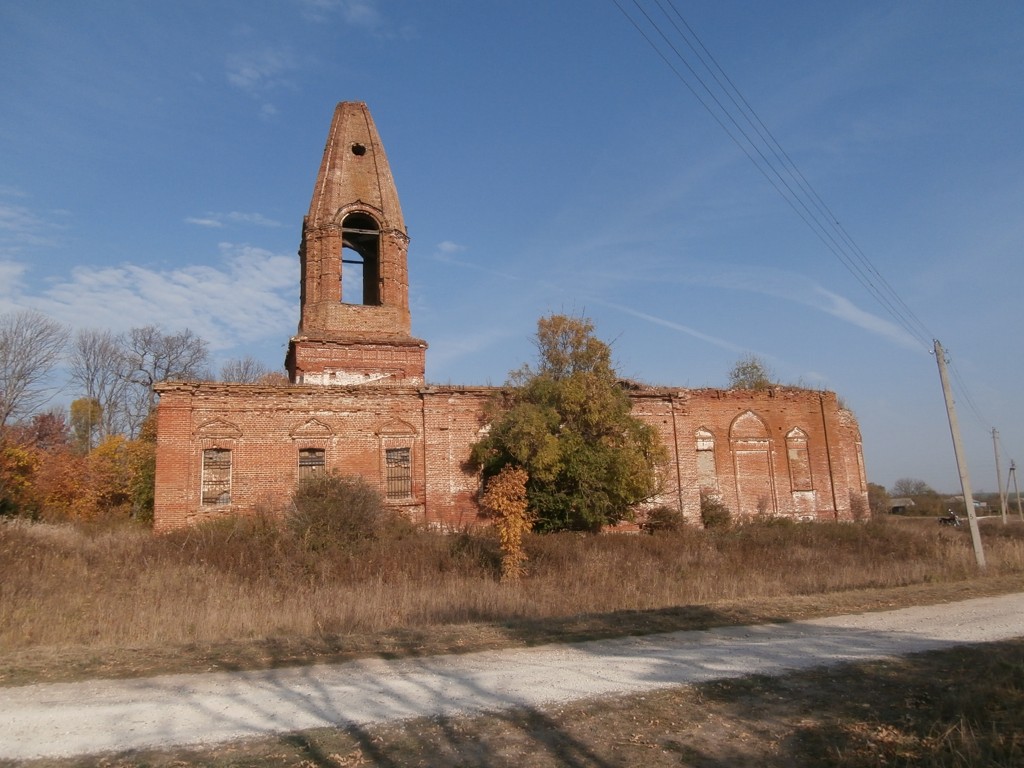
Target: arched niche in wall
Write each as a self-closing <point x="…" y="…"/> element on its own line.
<point x="798" y="456"/>
<point x="707" y="472"/>
<point x="750" y="444"/>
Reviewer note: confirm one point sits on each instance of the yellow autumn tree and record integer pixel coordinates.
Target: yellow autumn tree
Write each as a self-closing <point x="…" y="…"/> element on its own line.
<point x="505" y="500"/>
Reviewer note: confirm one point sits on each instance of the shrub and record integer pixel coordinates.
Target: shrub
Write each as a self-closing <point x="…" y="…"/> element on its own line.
<point x="330" y="511"/>
<point x="663" y="520"/>
<point x="858" y="506"/>
<point x="248" y="547"/>
<point x="505" y="501"/>
<point x="713" y="512"/>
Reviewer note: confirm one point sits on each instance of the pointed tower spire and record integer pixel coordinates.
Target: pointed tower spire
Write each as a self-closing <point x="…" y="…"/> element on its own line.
<point x="354" y="325"/>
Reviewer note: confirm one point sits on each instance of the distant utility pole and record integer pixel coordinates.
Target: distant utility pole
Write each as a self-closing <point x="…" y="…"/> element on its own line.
<point x="999" y="475"/>
<point x="1013" y="474"/>
<point x="961" y="463"/>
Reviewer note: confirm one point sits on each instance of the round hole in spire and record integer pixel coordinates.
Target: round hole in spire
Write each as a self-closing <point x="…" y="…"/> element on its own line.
<point x="358" y="149"/>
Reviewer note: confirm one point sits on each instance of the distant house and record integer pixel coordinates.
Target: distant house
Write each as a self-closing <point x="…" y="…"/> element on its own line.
<point x="899" y="506"/>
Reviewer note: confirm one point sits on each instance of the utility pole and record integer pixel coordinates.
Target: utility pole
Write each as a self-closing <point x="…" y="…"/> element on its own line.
<point x="1013" y="474"/>
<point x="999" y="475"/>
<point x="961" y="462"/>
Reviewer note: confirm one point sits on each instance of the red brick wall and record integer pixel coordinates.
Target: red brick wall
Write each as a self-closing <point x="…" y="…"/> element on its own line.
<point x="265" y="426"/>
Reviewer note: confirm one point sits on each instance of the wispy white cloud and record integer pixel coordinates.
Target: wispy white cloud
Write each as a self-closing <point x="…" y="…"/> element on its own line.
<point x="259" y="70"/>
<point x="802" y="290"/>
<point x="446" y="250"/>
<point x="359" y="13"/>
<point x="204" y="222"/>
<point x="11" y="273"/>
<point x="714" y="340"/>
<point x="449" y="247"/>
<point x="22" y="227"/>
<point x="362" y="15"/>
<point x="216" y="220"/>
<point x="247" y="295"/>
<point x="448" y="349"/>
<point x="844" y="309"/>
<point x="798" y="289"/>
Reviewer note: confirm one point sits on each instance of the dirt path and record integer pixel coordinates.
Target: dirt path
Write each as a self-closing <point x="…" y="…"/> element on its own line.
<point x="66" y="719"/>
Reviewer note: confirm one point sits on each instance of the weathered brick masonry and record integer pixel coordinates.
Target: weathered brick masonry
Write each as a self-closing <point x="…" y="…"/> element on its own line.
<point x="357" y="402"/>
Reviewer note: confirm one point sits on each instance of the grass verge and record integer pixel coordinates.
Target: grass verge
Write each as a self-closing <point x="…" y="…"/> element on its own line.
<point x="78" y="603"/>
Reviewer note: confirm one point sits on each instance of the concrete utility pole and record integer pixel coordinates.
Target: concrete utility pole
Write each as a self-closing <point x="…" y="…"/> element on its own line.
<point x="1013" y="474"/>
<point x="999" y="475"/>
<point x="961" y="463"/>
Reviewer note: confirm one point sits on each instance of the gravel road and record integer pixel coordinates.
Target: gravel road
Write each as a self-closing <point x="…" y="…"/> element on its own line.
<point x="67" y="719"/>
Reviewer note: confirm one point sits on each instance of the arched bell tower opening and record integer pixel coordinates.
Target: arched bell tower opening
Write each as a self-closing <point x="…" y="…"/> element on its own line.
<point x="360" y="260"/>
<point x="354" y="324"/>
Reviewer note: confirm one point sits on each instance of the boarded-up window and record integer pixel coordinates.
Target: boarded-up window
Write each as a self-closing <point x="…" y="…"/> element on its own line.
<point x="216" y="476"/>
<point x="398" y="464"/>
<point x="312" y="461"/>
<point x="799" y="460"/>
<point x="707" y="475"/>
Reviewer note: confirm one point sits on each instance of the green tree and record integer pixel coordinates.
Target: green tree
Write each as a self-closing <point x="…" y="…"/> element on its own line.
<point x="751" y="372"/>
<point x="567" y="423"/>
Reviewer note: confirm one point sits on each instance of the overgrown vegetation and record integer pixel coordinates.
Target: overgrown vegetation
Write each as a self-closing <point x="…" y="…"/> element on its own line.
<point x="663" y="520"/>
<point x="751" y="372"/>
<point x="505" y="501"/>
<point x="332" y="513"/>
<point x="252" y="579"/>
<point x="568" y="424"/>
<point x="713" y="511"/>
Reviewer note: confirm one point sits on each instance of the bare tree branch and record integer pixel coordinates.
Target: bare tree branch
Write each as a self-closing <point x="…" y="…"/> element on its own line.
<point x="31" y="344"/>
<point x="245" y="370"/>
<point x="95" y="367"/>
<point x="148" y="355"/>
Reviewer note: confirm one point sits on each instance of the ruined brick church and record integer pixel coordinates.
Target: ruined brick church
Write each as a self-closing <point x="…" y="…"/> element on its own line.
<point x="357" y="402"/>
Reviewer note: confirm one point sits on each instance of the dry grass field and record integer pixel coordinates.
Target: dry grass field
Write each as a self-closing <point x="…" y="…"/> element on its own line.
<point x="79" y="601"/>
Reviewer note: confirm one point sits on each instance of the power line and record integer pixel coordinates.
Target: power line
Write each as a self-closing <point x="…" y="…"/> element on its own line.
<point x="763" y="150"/>
<point x="716" y="91"/>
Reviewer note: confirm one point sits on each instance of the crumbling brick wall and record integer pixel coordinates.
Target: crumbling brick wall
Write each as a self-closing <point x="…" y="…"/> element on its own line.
<point x="787" y="452"/>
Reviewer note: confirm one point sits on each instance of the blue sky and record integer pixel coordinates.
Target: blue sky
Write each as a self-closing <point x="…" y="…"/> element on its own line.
<point x="156" y="160"/>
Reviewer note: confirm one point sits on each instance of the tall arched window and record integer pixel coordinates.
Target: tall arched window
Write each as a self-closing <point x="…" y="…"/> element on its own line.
<point x="360" y="260"/>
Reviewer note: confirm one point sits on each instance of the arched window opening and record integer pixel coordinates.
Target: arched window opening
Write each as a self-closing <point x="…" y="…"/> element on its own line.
<point x="360" y="260"/>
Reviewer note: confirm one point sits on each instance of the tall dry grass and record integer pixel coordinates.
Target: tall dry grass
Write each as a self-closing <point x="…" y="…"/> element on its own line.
<point x="252" y="578"/>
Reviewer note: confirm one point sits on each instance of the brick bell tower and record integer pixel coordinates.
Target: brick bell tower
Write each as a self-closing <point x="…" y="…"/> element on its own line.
<point x="354" y="326"/>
